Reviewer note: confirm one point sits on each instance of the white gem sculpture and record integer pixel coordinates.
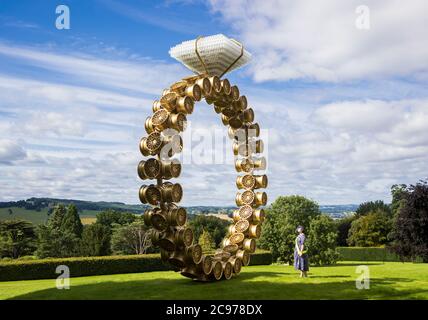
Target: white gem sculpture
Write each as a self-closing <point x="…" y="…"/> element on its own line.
<point x="214" y="55"/>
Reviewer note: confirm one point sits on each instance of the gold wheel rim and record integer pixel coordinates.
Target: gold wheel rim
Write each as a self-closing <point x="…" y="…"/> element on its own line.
<point x="166" y="218"/>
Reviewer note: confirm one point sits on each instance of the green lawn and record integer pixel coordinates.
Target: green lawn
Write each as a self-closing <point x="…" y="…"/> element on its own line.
<point x="390" y="280"/>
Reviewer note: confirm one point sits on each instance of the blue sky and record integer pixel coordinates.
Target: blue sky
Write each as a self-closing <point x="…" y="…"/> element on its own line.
<point x="345" y="108"/>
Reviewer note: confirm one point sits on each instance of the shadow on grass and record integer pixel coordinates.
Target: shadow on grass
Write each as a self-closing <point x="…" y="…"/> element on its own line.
<point x="246" y="286"/>
<point x="352" y="264"/>
<point x="316" y="277"/>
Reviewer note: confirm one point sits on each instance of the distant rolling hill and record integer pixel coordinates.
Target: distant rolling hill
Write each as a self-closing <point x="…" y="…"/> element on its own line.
<point x="38" y="217"/>
<point x="338" y="211"/>
<point x="37" y="210"/>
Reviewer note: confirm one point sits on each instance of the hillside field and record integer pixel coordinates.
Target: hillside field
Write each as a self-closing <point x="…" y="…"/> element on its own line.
<point x="39" y="217"/>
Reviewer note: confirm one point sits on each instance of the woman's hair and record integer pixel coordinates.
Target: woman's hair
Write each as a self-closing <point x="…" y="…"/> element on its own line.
<point x="300" y="228"/>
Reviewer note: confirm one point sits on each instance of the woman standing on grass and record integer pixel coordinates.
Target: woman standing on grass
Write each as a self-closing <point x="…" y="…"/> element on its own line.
<point x="300" y="256"/>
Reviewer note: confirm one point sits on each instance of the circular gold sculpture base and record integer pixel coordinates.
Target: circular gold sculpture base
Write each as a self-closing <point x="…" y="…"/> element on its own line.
<point x="169" y="220"/>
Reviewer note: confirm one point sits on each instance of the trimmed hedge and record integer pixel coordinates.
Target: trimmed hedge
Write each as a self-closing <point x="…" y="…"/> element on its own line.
<point x="366" y="254"/>
<point x="90" y="266"/>
<point x="261" y="257"/>
<point x="80" y="266"/>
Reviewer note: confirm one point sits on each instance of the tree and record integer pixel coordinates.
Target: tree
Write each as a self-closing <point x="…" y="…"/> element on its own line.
<point x="206" y="241"/>
<point x="321" y="241"/>
<point x="110" y="217"/>
<point x="134" y="238"/>
<point x="343" y="226"/>
<point x="53" y="243"/>
<point x="372" y="206"/>
<point x="61" y="235"/>
<point x="282" y="218"/>
<point x="17" y="238"/>
<point x="370" y="230"/>
<point x="47" y="245"/>
<point x="96" y="240"/>
<point x="411" y="223"/>
<point x="215" y="226"/>
<point x="55" y="219"/>
<point x="71" y="221"/>
<point x="398" y="193"/>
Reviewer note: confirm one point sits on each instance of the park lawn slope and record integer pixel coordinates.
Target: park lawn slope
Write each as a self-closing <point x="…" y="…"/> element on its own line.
<point x="389" y="280"/>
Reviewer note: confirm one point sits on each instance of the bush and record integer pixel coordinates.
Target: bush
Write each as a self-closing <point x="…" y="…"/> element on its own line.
<point x="370" y="230"/>
<point x="90" y="266"/>
<point x="133" y="238"/>
<point x="17" y="238"/>
<point x="371" y="206"/>
<point x="366" y="254"/>
<point x="25" y="258"/>
<point x="215" y="226"/>
<point x="95" y="240"/>
<point x="109" y="218"/>
<point x="206" y="241"/>
<point x="261" y="257"/>
<point x="6" y="259"/>
<point x="343" y="226"/>
<point x="282" y="218"/>
<point x="321" y="243"/>
<point x="410" y="232"/>
<point x="82" y="266"/>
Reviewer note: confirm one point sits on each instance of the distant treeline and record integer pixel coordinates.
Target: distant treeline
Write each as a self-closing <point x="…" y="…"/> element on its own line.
<point x="38" y="204"/>
<point x="23" y="204"/>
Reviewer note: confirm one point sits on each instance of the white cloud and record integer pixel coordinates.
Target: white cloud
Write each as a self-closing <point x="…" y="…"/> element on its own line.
<point x="335" y="144"/>
<point x="81" y="140"/>
<point x="75" y="141"/>
<point x="10" y="151"/>
<point x="143" y="75"/>
<point x="379" y="185"/>
<point x="400" y="123"/>
<point x="319" y="40"/>
<point x="337" y="153"/>
<point x="14" y="89"/>
<point x="350" y="151"/>
<point x="53" y="122"/>
<point x="359" y="115"/>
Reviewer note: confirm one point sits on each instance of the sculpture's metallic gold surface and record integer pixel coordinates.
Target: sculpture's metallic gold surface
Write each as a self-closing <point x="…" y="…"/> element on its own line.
<point x="167" y="219"/>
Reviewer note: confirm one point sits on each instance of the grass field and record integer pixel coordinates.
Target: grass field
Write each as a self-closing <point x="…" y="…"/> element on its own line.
<point x="39" y="217"/>
<point x="33" y="216"/>
<point x="389" y="280"/>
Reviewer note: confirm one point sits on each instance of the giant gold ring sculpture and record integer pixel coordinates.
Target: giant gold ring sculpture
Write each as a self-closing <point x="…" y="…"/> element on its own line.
<point x="167" y="219"/>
